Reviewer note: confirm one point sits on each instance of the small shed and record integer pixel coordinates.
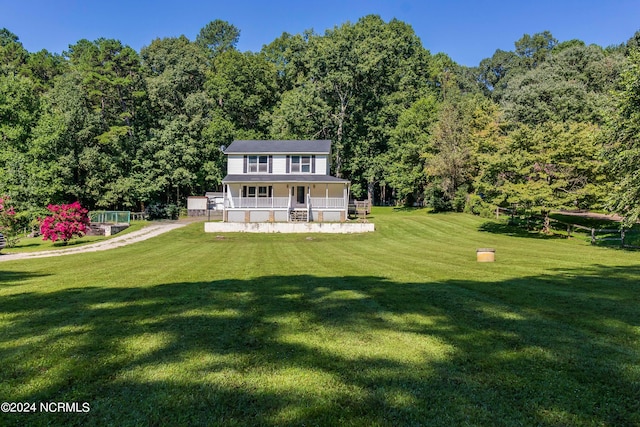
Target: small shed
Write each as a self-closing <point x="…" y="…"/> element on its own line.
<point x="197" y="205"/>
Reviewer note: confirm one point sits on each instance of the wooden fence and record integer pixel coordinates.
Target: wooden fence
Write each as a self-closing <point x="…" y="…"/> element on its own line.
<point x="596" y="234"/>
<point x="359" y="209"/>
<point x="139" y="216"/>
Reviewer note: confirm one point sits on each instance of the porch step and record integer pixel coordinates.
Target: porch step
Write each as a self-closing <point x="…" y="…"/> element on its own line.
<point x="298" y="215"/>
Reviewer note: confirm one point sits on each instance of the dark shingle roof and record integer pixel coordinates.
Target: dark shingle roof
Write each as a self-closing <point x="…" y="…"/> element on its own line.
<point x="320" y="146"/>
<point x="269" y="178"/>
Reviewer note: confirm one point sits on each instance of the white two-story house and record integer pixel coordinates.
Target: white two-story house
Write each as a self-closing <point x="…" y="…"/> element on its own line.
<point x="282" y="181"/>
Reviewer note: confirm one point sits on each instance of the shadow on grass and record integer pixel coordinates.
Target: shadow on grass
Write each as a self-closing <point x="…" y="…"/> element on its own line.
<point x="11" y="278"/>
<point x="410" y="209"/>
<point x="47" y="245"/>
<point x="585" y="221"/>
<point x="76" y="242"/>
<point x="307" y="350"/>
<point x="27" y="245"/>
<point x="515" y="231"/>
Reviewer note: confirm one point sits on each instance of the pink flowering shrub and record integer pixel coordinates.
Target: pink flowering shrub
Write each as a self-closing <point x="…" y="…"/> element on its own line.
<point x="65" y="222"/>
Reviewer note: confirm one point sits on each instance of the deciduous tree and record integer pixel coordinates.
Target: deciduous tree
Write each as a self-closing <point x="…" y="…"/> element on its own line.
<point x="623" y="143"/>
<point x="176" y="156"/>
<point x="551" y="166"/>
<point x="409" y="144"/>
<point x="8" y="221"/>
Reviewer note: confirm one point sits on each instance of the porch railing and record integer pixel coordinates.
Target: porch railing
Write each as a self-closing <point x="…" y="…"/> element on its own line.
<point x="327" y="202"/>
<point x="258" y="202"/>
<point x="283" y="202"/>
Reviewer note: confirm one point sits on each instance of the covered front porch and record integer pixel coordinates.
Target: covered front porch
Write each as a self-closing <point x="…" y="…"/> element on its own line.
<point x="291" y="201"/>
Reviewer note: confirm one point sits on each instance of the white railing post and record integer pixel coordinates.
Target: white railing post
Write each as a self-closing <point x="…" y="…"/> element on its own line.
<point x="224" y="198"/>
<point x="345" y="202"/>
<point x="326" y="195"/>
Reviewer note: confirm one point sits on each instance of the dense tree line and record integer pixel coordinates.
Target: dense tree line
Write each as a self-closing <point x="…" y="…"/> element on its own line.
<point x="547" y="125"/>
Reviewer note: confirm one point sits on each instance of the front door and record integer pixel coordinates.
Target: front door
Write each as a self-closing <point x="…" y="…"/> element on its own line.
<point x="300" y="195"/>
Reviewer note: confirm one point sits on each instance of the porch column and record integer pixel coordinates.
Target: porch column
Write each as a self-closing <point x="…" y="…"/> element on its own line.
<point x="224" y="203"/>
<point x="346" y="198"/>
<point x="224" y="197"/>
<point x="326" y="195"/>
<point x="308" y="203"/>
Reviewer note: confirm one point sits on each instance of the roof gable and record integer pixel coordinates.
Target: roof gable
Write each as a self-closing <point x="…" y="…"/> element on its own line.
<point x="320" y="146"/>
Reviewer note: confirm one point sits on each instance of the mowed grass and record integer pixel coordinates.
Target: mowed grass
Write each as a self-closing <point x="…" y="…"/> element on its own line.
<point x="397" y="327"/>
<point x="34" y="244"/>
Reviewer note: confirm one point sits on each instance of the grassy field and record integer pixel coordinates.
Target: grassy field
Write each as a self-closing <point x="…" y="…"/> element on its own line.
<point x="397" y="327"/>
<point x="33" y="244"/>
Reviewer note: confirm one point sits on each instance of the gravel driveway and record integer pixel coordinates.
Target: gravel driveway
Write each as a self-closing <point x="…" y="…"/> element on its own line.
<point x="116" y="242"/>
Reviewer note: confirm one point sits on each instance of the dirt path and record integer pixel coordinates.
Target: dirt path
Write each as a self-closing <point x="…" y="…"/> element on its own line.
<point x="148" y="232"/>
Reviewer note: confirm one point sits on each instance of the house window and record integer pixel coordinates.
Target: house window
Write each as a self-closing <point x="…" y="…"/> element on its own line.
<point x="258" y="164"/>
<point x="300" y="164"/>
<point x="262" y="191"/>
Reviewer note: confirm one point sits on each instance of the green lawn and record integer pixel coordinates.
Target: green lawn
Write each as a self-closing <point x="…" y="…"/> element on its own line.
<point x="33" y="244"/>
<point x="397" y="327"/>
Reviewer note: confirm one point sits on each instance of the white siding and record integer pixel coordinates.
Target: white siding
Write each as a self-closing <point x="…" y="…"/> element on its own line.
<point x="321" y="165"/>
<point x="279" y="164"/>
<point x="235" y="165"/>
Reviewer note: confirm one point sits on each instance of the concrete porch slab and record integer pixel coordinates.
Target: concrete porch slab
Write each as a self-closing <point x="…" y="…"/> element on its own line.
<point x="288" y="227"/>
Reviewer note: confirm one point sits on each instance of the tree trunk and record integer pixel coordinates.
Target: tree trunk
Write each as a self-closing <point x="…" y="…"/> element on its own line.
<point x="339" y="141"/>
<point x="546" y="229"/>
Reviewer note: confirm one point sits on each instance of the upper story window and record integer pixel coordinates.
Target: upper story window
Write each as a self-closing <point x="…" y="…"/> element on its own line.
<point x="258" y="164"/>
<point x="300" y="164"/>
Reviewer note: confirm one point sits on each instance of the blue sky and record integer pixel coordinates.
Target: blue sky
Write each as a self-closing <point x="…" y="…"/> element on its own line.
<point x="467" y="31"/>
